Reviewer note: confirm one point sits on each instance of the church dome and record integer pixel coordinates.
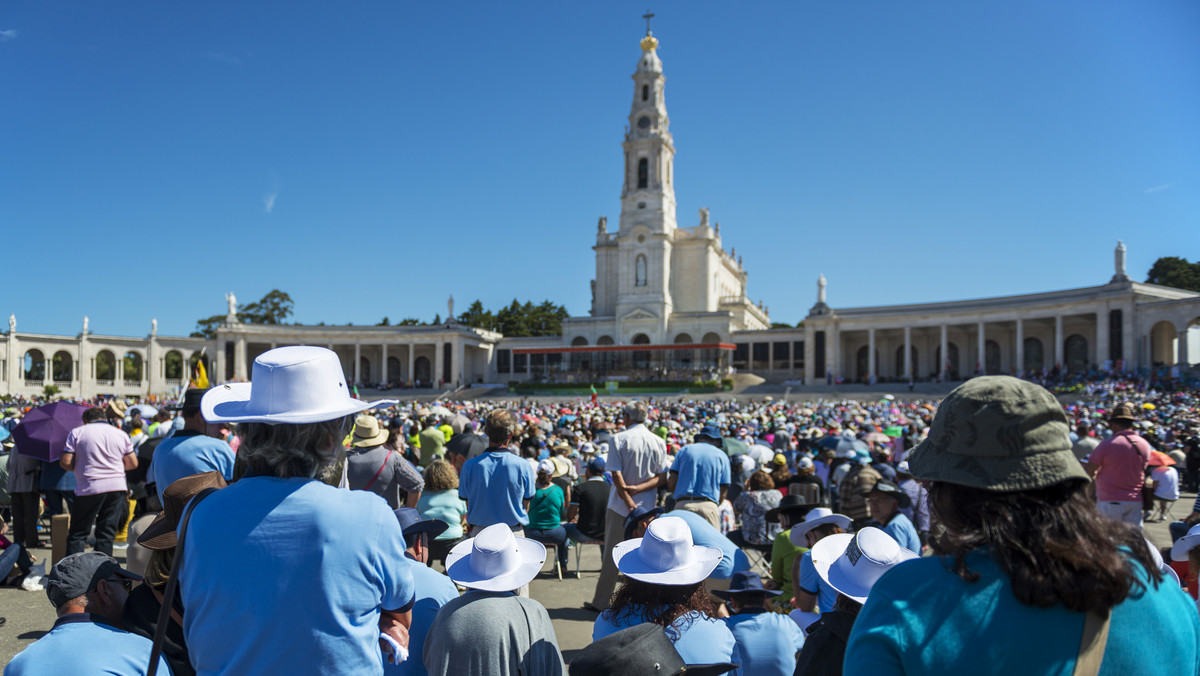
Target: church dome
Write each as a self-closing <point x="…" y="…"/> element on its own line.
<point x="649" y="63"/>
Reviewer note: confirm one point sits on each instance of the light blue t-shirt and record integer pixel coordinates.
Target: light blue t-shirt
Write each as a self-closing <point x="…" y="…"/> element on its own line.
<point x="494" y="484"/>
<point x="733" y="559"/>
<point x="434" y="590"/>
<point x="903" y="532"/>
<point x="767" y="642"/>
<point x="188" y="453"/>
<point x="813" y="584"/>
<point x="445" y="506"/>
<point x="289" y="576"/>
<point x="699" y="638"/>
<point x="921" y="618"/>
<point x="702" y="469"/>
<point x="77" y="645"/>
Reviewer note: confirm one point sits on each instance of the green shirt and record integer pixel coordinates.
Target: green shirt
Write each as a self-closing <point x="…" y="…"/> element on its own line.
<point x="783" y="555"/>
<point x="546" y="508"/>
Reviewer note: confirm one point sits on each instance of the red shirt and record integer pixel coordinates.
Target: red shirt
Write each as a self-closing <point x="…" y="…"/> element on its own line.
<point x="1122" y="460"/>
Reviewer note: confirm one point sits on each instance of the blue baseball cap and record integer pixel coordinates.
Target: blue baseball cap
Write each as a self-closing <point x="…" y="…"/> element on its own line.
<point x="411" y="523"/>
<point x="596" y="465"/>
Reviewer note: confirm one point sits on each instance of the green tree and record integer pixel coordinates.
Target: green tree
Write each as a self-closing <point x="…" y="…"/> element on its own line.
<point x="409" y="321"/>
<point x="1175" y="272"/>
<point x="384" y="322"/>
<point x="272" y="308"/>
<point x="50" y="390"/>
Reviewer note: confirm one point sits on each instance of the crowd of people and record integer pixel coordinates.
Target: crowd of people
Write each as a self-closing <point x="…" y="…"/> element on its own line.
<point x="758" y="537"/>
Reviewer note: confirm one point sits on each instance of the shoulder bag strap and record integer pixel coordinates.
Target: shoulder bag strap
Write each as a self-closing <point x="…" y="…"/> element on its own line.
<point x="1091" y="646"/>
<point x="378" y="471"/>
<point x="164" y="613"/>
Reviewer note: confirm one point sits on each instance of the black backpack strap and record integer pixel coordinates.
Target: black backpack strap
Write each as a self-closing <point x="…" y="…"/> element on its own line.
<point x="164" y="613"/>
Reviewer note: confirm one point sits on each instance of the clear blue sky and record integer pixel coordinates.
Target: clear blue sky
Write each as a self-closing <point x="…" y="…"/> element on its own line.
<point x="372" y="158"/>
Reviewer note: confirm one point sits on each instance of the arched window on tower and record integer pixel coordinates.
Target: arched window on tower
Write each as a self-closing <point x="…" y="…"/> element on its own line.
<point x="643" y="173"/>
<point x="645" y="92"/>
<point x="640" y="271"/>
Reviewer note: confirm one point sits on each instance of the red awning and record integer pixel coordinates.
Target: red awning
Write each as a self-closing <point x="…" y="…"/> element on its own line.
<point x="623" y="348"/>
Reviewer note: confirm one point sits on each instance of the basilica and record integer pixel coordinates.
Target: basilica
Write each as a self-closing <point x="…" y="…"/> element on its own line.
<point x="669" y="303"/>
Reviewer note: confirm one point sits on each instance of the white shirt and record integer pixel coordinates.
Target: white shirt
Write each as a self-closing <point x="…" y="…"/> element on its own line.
<point x="638" y="454"/>
<point x="1166" y="483"/>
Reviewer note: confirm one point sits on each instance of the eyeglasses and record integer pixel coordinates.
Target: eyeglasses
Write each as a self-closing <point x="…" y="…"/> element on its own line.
<point x="124" y="582"/>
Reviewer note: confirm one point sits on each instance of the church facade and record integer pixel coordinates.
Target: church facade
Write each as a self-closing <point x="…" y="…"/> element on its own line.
<point x="668" y="303"/>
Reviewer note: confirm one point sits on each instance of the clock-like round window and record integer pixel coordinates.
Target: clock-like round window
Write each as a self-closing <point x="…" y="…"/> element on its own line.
<point x="641" y="239"/>
<point x="643" y="122"/>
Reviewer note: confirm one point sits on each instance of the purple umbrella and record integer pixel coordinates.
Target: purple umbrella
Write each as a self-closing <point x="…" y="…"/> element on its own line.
<point x="43" y="431"/>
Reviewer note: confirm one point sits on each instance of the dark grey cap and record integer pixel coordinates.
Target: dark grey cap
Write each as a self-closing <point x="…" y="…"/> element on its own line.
<point x="78" y="574"/>
<point x="640" y="650"/>
<point x="998" y="433"/>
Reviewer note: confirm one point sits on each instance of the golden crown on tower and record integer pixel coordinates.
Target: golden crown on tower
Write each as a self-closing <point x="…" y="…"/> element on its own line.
<point x="649" y="42"/>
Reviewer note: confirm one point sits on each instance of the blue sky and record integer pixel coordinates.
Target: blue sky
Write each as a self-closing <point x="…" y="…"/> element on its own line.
<point x="372" y="158"/>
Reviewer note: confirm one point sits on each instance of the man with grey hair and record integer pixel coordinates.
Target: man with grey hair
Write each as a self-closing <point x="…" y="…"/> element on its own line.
<point x="637" y="459"/>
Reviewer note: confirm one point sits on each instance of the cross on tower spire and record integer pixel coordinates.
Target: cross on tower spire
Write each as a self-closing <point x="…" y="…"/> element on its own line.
<point x="647" y="16"/>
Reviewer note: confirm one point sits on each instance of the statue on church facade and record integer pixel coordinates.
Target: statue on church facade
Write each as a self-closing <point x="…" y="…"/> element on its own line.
<point x="231" y="301"/>
<point x="450" y="308"/>
<point x="85" y="325"/>
<point x="704" y="217"/>
<point x="12" y="323"/>
<point x="154" y="327"/>
<point x="602" y="226"/>
<point x="1119" y="274"/>
<point x="821" y="289"/>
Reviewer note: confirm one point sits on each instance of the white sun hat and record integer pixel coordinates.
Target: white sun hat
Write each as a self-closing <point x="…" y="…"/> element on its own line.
<point x="816" y="517"/>
<point x="1179" y="550"/>
<point x="495" y="560"/>
<point x="666" y="555"/>
<point x="292" y="385"/>
<point x="852" y="564"/>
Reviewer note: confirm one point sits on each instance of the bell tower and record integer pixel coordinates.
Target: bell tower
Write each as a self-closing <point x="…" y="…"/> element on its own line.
<point x="648" y="192"/>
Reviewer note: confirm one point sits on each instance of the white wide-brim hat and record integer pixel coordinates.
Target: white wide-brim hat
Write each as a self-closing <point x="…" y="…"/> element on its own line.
<point x="853" y="563"/>
<point x="495" y="560"/>
<point x="291" y="385"/>
<point x="666" y="555"/>
<point x="816" y="517"/>
<point x="1179" y="550"/>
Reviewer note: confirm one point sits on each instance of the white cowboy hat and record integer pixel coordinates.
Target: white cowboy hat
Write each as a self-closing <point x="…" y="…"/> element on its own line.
<point x="367" y="432"/>
<point x="852" y="564"/>
<point x="666" y="555"/>
<point x="291" y="385"/>
<point x="495" y="560"/>
<point x="1179" y="550"/>
<point x="816" y="517"/>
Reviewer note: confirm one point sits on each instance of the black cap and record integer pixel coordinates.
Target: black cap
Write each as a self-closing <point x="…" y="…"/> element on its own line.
<point x="641" y="650"/>
<point x="79" y="574"/>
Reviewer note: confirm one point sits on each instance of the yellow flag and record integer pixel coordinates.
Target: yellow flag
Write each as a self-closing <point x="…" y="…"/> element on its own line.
<point x="201" y="379"/>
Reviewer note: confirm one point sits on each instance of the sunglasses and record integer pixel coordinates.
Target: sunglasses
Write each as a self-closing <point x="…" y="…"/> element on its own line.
<point x="124" y="582"/>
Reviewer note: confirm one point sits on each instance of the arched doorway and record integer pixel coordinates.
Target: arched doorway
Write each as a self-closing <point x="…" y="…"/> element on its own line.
<point x="422" y="372"/>
<point x="132" y="367"/>
<point x="1035" y="355"/>
<point x="863" y="369"/>
<point x="641" y="358"/>
<point x="607" y="359"/>
<point x="35" y="366"/>
<point x="991" y="357"/>
<point x="580" y="361"/>
<point x="106" y="366"/>
<point x="1162" y="344"/>
<point x="173" y="365"/>
<point x="952" y="366"/>
<point x="393" y="370"/>
<point x="364" y="370"/>
<point x="1075" y="351"/>
<point x="900" y="361"/>
<point x="62" y="367"/>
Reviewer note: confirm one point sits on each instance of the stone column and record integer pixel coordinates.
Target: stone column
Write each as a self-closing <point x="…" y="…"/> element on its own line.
<point x="871" y="375"/>
<point x="1058" y="341"/>
<point x="412" y="362"/>
<point x="357" y="363"/>
<point x="941" y="368"/>
<point x="1128" y="338"/>
<point x="383" y="371"/>
<point x="437" y="362"/>
<point x="1020" y="340"/>
<point x="982" y="351"/>
<point x="1102" y="344"/>
<point x="239" y="358"/>
<point x="810" y="353"/>
<point x="460" y="361"/>
<point x="908" y="365"/>
<point x="1182" y="350"/>
<point x="834" y="350"/>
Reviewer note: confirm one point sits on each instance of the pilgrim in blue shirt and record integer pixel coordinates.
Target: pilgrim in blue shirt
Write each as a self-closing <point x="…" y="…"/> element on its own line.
<point x="81" y="643"/>
<point x="767" y="642"/>
<point x="188" y="453"/>
<point x="434" y="590"/>
<point x="813" y="584"/>
<point x="287" y="576"/>
<point x="922" y="618"/>
<point x="733" y="559"/>
<point x="699" y="638"/>
<point x="702" y="469"/>
<point x="903" y="532"/>
<point x="495" y="484"/>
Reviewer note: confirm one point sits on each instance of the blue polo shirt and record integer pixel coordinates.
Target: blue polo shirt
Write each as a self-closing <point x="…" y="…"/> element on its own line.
<point x="902" y="531"/>
<point x="702" y="469"/>
<point x="494" y="484"/>
<point x="699" y="638"/>
<point x="80" y="643"/>
<point x="768" y="642"/>
<point x="812" y="583"/>
<point x="434" y="590"/>
<point x="188" y="453"/>
<point x="733" y="559"/>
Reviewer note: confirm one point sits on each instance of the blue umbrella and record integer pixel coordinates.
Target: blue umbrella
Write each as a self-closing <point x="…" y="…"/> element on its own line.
<point x="841" y="443"/>
<point x="43" y="431"/>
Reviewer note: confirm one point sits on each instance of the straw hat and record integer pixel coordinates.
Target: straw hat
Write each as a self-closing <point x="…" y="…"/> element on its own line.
<point x="666" y="555"/>
<point x="495" y="560"/>
<point x="292" y="385"/>
<point x="852" y="564"/>
<point x="368" y="433"/>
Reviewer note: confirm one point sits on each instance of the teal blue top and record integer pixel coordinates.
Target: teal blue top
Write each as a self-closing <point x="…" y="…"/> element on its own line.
<point x="546" y="508"/>
<point x="921" y="618"/>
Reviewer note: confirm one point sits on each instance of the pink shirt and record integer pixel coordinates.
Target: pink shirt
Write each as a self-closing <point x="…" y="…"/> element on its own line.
<point x="98" y="448"/>
<point x="1122" y="461"/>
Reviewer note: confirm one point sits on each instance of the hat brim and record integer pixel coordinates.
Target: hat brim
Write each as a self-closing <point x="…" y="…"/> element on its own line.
<point x="630" y="563"/>
<point x="901" y="497"/>
<point x="458" y="567"/>
<point x="657" y="511"/>
<point x="730" y="593"/>
<point x="707" y="669"/>
<point x="231" y="403"/>
<point x="772" y="515"/>
<point x="834" y="546"/>
<point x="370" y="442"/>
<point x="160" y="534"/>
<point x="800" y="529"/>
<point x="995" y="473"/>
<point x="1185" y="544"/>
<point x="434" y="527"/>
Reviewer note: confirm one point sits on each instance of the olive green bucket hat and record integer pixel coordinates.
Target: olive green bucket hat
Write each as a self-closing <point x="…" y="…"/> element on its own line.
<point x="998" y="433"/>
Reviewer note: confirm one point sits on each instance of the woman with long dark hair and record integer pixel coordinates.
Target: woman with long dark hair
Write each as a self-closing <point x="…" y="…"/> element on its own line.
<point x="1032" y="580"/>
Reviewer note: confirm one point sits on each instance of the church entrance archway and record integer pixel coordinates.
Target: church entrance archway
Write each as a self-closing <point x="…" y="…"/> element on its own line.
<point x="991" y="357"/>
<point x="641" y="358"/>
<point x="35" y="366"/>
<point x="393" y="370"/>
<point x="863" y="368"/>
<point x="62" y="367"/>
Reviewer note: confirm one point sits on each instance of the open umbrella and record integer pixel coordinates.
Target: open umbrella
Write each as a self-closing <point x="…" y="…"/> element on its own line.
<point x="877" y="438"/>
<point x="146" y="410"/>
<point x="43" y="431"/>
<point x="894" y="431"/>
<point x="842" y="442"/>
<point x="1160" y="459"/>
